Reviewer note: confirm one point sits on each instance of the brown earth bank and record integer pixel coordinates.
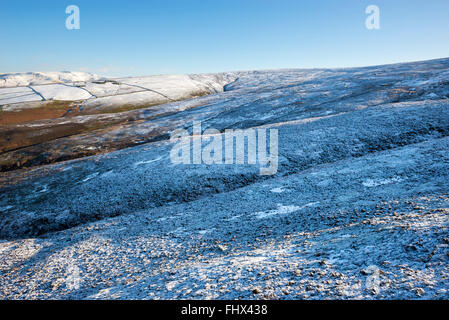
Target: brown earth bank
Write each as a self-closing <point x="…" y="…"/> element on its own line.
<point x="60" y="131"/>
<point x="51" y="110"/>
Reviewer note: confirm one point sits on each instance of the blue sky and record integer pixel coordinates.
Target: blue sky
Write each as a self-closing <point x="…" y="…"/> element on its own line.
<point x="137" y="37"/>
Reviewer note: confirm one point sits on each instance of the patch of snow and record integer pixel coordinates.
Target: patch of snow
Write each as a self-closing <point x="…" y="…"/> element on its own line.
<point x="171" y="285"/>
<point x="43" y="188"/>
<point x="247" y="260"/>
<point x="203" y="232"/>
<point x="235" y="217"/>
<point x="108" y="174"/>
<point x="279" y="211"/>
<point x="370" y="183"/>
<point x="91" y="176"/>
<point x="277" y="190"/>
<point x="6" y="208"/>
<point x="14" y="95"/>
<point x="432" y="96"/>
<point x="147" y="162"/>
<point x="179" y="230"/>
<point x="62" y="92"/>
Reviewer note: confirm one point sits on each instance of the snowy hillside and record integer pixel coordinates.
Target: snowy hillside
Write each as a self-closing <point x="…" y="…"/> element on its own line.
<point x="78" y="86"/>
<point x="39" y="78"/>
<point x="358" y="208"/>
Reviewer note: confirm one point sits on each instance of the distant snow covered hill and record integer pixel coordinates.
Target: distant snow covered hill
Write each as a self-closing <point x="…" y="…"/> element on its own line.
<point x="19" y="88"/>
<point x="44" y="107"/>
<point x="38" y="78"/>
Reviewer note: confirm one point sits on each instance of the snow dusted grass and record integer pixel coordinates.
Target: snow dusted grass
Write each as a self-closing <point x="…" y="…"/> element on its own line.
<point x="321" y="251"/>
<point x="359" y="208"/>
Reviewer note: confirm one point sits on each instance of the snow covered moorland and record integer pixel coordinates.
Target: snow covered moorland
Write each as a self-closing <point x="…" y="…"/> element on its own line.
<point x="91" y="207"/>
<point x="19" y="88"/>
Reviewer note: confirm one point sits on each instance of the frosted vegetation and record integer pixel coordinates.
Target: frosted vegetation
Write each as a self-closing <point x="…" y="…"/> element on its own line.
<point x="359" y="207"/>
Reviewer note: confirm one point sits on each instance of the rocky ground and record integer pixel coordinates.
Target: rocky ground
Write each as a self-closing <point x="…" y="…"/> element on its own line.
<point x="358" y="209"/>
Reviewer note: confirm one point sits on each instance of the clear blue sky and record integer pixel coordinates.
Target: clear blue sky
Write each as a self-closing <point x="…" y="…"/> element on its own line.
<point x="137" y="37"/>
